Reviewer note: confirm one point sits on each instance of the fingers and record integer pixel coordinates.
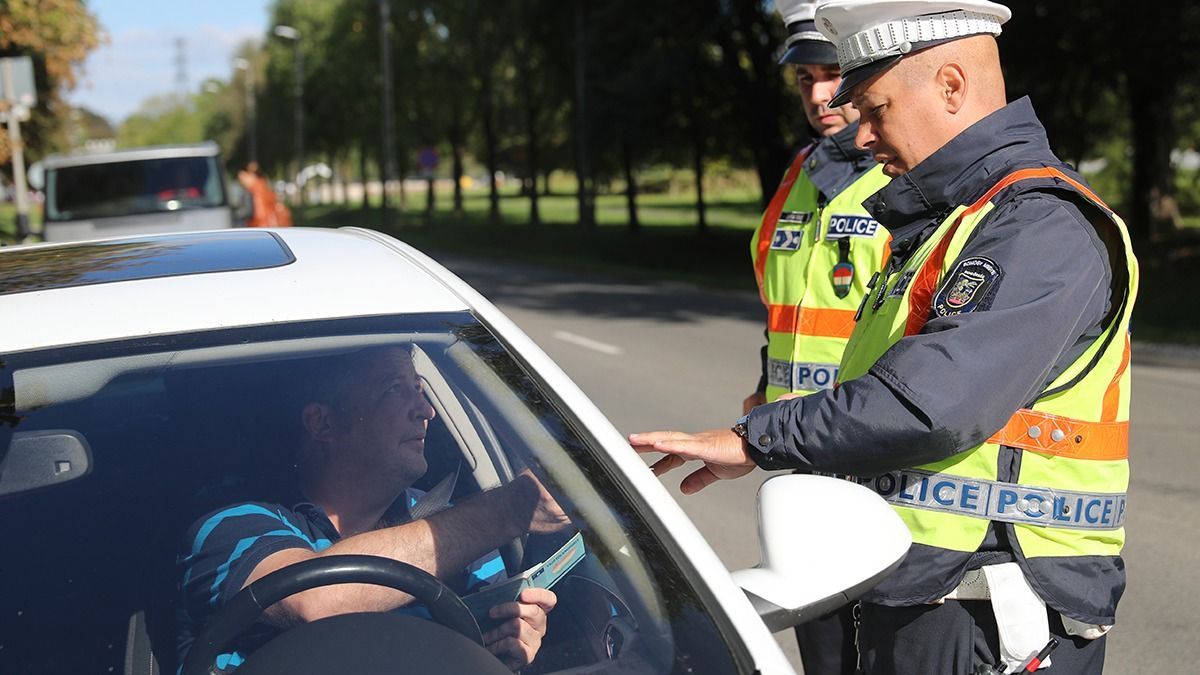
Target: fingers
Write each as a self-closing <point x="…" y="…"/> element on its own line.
<point x="517" y="640"/>
<point x="542" y="597"/>
<point x="644" y="442"/>
<point x="698" y="480"/>
<point x="666" y="464"/>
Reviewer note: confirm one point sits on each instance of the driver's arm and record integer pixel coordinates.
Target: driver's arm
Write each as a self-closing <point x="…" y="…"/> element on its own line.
<point x="442" y="545"/>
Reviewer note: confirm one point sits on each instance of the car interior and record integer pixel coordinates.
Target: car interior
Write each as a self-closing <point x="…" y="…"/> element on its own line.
<point x="133" y="442"/>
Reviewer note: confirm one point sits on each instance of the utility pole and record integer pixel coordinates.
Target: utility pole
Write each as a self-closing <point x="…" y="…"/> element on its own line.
<point x="582" y="160"/>
<point x="388" y="131"/>
<point x="290" y="33"/>
<point x="249" y="107"/>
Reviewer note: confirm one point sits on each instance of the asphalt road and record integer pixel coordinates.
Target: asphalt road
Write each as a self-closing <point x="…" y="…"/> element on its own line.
<point x="672" y="356"/>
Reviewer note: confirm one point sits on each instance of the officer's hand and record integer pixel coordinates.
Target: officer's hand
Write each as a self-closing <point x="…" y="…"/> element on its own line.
<point x="753" y="401"/>
<point x="723" y="452"/>
<point x="516" y="641"/>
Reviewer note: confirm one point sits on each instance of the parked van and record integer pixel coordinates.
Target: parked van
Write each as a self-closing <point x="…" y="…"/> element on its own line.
<point x="173" y="188"/>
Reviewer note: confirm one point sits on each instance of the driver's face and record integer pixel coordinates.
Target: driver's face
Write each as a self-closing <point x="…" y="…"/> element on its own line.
<point x="386" y="417"/>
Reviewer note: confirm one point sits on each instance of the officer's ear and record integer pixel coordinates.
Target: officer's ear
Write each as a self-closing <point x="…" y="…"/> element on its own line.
<point x="951" y="81"/>
<point x="318" y="420"/>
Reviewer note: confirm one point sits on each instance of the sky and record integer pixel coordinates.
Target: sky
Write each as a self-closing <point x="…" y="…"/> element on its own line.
<point x="140" y="59"/>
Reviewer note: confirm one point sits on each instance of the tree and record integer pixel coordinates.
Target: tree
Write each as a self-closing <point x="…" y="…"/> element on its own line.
<point x="58" y="35"/>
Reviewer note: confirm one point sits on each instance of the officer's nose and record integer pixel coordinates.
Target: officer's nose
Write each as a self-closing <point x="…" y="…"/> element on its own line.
<point x="823" y="90"/>
<point x="865" y="138"/>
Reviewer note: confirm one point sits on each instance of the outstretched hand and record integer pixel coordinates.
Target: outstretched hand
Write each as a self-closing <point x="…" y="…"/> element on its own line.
<point x="723" y="452"/>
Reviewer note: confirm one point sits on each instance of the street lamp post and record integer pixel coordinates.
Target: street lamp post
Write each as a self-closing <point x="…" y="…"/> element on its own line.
<point x="251" y="114"/>
<point x="290" y="33"/>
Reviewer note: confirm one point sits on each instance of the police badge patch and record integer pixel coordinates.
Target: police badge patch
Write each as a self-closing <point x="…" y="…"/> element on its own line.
<point x="971" y="285"/>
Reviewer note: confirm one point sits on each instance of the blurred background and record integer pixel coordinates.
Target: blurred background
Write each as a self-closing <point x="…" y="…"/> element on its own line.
<point x="618" y="134"/>
<point x="576" y="160"/>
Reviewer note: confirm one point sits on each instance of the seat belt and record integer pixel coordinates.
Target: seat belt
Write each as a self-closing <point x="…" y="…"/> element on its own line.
<point x="438" y="497"/>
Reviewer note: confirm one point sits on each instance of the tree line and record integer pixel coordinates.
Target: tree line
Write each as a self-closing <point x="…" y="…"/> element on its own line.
<point x="601" y="89"/>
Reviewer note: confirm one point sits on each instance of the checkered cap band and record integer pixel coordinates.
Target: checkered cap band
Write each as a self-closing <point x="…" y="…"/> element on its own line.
<point x="891" y="38"/>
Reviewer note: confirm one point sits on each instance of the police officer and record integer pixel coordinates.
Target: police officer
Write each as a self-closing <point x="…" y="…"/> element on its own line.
<point x="985" y="390"/>
<point x="813" y="254"/>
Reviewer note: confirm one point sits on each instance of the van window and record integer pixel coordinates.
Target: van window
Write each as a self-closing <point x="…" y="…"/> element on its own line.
<point x="128" y="188"/>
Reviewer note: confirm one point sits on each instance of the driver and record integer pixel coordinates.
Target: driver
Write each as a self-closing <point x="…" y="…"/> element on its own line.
<point x="361" y="448"/>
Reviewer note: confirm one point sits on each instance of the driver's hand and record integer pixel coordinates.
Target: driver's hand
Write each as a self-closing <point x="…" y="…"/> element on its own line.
<point x="517" y="640"/>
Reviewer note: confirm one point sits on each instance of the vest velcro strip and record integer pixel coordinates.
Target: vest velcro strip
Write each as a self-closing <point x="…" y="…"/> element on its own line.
<point x="1064" y="436"/>
<point x="771" y="218"/>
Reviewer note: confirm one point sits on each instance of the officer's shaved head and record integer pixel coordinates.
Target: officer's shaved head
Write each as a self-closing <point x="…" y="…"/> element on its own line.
<point x="976" y="58"/>
<point x="916" y="106"/>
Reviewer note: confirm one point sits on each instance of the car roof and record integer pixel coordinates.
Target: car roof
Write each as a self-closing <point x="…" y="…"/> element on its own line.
<point x="120" y="288"/>
<point x="206" y="149"/>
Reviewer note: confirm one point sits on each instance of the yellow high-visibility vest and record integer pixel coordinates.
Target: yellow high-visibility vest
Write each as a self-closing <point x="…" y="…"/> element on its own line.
<point x="1068" y="497"/>
<point x="812" y="262"/>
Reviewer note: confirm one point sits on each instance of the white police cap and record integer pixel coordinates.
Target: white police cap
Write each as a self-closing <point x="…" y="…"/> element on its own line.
<point x="805" y="44"/>
<point x="873" y="34"/>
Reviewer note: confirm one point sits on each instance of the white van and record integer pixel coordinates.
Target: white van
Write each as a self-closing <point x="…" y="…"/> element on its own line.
<point x="174" y="188"/>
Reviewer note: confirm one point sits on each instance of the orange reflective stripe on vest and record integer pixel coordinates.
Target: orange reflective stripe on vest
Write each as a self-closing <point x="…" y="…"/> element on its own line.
<point x="1112" y="396"/>
<point x="834" y="323"/>
<point x="771" y="219"/>
<point x="1064" y="436"/>
<point x="926" y="282"/>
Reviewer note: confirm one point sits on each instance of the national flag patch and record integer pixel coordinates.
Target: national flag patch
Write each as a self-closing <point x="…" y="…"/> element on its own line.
<point x="843" y="279"/>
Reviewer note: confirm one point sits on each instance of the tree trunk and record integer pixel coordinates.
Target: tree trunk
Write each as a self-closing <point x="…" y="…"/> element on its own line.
<point x="630" y="185"/>
<point x="1153" y="211"/>
<point x="490" y="142"/>
<point x="430" y="198"/>
<point x="583" y="161"/>
<point x="456" y="152"/>
<point x="698" y="167"/>
<point x="758" y="92"/>
<point x="531" y="128"/>
<point x="362" y="175"/>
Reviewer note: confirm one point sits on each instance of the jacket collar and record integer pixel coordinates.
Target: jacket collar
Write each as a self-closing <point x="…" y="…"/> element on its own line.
<point x="834" y="162"/>
<point x="962" y="169"/>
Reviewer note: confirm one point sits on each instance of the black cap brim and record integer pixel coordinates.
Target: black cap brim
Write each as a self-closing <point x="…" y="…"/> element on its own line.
<point x="810" y="51"/>
<point x="859" y="75"/>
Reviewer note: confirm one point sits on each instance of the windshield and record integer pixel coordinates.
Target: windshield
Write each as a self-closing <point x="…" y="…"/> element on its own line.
<point x="127" y="188"/>
<point x="167" y="432"/>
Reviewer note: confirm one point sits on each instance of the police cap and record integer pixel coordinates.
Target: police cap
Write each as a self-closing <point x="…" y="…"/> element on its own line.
<point x="873" y="34"/>
<point x="805" y="44"/>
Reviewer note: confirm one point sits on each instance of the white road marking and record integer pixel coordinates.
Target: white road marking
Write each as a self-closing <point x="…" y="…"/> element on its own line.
<point x="588" y="343"/>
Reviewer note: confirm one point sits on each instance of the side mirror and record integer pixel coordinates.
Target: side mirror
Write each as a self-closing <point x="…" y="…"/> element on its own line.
<point x="39" y="459"/>
<point x="825" y="542"/>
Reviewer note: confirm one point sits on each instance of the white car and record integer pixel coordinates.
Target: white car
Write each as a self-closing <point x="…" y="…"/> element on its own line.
<point x="146" y="381"/>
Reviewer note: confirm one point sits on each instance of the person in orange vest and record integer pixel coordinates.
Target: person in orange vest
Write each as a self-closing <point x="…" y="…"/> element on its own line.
<point x="984" y="393"/>
<point x="813" y="254"/>
<point x="268" y="211"/>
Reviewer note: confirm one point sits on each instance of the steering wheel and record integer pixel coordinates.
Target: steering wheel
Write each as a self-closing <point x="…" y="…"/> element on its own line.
<point x="240" y="613"/>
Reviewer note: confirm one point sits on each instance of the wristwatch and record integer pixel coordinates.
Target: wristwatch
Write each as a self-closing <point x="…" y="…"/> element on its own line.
<point x="739" y="427"/>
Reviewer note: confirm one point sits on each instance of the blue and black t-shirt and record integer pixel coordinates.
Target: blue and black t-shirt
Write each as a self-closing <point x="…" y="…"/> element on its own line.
<point x="221" y="550"/>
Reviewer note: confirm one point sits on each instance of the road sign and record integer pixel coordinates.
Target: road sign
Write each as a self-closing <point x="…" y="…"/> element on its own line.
<point x="20" y="90"/>
<point x="427" y="158"/>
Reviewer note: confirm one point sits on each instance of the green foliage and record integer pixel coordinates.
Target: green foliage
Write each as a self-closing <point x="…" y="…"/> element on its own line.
<point x="58" y="35"/>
